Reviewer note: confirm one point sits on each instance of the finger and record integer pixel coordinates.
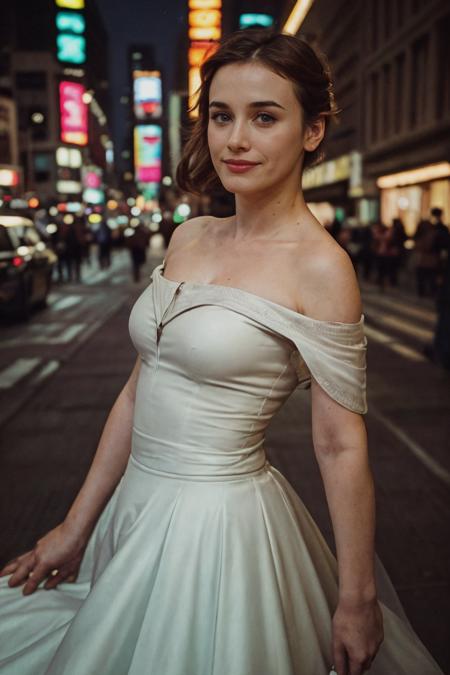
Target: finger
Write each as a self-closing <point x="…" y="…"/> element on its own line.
<point x="340" y="660"/>
<point x="22" y="572"/>
<point x="55" y="577"/>
<point x="35" y="577"/>
<point x="355" y="668"/>
<point x="9" y="568"/>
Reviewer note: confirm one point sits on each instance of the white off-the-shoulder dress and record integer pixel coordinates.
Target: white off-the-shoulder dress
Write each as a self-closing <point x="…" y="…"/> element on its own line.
<point x="205" y="560"/>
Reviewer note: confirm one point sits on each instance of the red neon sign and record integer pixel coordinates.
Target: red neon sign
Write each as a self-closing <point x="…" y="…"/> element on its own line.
<point x="74" y="113"/>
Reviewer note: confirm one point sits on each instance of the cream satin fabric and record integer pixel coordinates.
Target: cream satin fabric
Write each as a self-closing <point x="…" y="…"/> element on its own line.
<point x="205" y="561"/>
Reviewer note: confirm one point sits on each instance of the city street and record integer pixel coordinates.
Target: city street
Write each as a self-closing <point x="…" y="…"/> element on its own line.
<point x="60" y="373"/>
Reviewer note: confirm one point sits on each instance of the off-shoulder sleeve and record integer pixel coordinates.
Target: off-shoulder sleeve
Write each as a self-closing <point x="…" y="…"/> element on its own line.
<point x="334" y="354"/>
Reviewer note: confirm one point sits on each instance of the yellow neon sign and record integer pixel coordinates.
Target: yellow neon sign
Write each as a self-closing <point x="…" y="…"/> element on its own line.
<point x="213" y="33"/>
<point x="71" y="4"/>
<point x="205" y="4"/>
<point x="205" y="18"/>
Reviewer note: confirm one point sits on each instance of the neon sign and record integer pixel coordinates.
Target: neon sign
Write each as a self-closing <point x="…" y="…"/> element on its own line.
<point x="74" y="113"/>
<point x="147" y="94"/>
<point x="147" y="153"/>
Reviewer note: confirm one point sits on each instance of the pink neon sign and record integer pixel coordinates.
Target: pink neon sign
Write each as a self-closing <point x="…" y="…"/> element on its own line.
<point x="74" y="113"/>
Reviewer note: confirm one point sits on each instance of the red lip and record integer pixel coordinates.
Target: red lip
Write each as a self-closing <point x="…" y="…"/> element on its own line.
<point x="239" y="162"/>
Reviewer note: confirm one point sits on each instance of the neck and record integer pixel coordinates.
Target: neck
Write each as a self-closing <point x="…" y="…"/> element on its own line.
<point x="263" y="215"/>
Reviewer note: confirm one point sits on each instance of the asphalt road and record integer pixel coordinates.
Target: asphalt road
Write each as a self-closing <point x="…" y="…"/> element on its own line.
<point x="60" y="374"/>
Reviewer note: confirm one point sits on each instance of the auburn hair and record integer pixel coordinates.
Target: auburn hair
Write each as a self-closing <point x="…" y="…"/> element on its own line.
<point x="288" y="56"/>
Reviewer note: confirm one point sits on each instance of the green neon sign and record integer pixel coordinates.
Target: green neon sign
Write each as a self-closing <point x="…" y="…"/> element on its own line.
<point x="70" y="22"/>
<point x="247" y="20"/>
<point x="71" y="48"/>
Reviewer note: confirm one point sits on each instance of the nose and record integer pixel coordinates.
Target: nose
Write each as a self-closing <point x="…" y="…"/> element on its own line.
<point x="238" y="140"/>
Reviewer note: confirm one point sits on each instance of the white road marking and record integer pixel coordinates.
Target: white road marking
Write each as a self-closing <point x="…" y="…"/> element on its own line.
<point x="66" y="302"/>
<point x="419" y="452"/>
<point x="377" y="335"/>
<point x="16" y="371"/>
<point x="43" y="337"/>
<point x="393" y="344"/>
<point x="426" y="315"/>
<point x="47" y="370"/>
<point x="119" y="280"/>
<point x="68" y="335"/>
<point x="96" y="278"/>
<point x="404" y="350"/>
<point x="423" y="334"/>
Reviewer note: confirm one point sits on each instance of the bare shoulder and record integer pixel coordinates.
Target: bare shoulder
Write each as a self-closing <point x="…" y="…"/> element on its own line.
<point x="188" y="232"/>
<point x="328" y="285"/>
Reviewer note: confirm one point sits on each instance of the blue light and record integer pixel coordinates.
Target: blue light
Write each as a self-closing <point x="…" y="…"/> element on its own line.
<point x="70" y="22"/>
<point x="247" y="20"/>
<point x="71" y="48"/>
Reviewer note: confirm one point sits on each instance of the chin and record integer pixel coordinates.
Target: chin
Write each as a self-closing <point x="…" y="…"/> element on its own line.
<point x="239" y="186"/>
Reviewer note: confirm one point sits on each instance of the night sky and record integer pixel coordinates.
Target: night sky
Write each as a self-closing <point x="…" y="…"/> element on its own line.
<point x="157" y="22"/>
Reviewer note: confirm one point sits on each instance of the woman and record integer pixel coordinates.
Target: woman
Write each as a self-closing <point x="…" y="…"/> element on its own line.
<point x="204" y="560"/>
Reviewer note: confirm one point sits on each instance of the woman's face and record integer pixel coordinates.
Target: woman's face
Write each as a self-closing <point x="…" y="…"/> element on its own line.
<point x="254" y="116"/>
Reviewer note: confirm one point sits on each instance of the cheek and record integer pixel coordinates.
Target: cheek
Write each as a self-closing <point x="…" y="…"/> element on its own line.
<point x="283" y="145"/>
<point x="213" y="142"/>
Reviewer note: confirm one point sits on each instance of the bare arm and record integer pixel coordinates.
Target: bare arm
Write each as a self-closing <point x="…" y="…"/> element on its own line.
<point x="340" y="444"/>
<point x="58" y="554"/>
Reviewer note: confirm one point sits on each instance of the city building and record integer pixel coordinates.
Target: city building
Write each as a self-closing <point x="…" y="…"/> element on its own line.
<point x="58" y="76"/>
<point x="389" y="154"/>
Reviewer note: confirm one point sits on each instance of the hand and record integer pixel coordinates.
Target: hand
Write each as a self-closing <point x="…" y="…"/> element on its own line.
<point x="56" y="557"/>
<point x="357" y="635"/>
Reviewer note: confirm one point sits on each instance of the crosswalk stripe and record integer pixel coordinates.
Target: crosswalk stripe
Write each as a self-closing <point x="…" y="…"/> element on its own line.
<point x="16" y="371"/>
<point x="46" y="370"/>
<point x="423" y="334"/>
<point x="426" y="315"/>
<point x="393" y="344"/>
<point x="66" y="302"/>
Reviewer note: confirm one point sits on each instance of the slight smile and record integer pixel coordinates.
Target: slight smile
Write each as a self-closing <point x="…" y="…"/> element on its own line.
<point x="239" y="165"/>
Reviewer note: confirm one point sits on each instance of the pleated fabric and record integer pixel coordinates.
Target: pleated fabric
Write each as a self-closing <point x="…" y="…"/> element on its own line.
<point x="205" y="561"/>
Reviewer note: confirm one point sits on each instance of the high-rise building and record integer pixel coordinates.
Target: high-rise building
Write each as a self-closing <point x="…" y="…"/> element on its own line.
<point x="57" y="68"/>
<point x="389" y="155"/>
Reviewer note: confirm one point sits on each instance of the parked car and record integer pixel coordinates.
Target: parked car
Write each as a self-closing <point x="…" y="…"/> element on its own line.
<point x="26" y="266"/>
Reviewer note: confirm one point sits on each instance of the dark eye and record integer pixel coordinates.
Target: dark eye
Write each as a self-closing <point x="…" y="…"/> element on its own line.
<point x="266" y="118"/>
<point x="216" y="116"/>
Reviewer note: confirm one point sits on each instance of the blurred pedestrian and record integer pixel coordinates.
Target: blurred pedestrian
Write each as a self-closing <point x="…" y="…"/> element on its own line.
<point x="426" y="254"/>
<point x="366" y="253"/>
<point x="396" y="249"/>
<point x="137" y="244"/>
<point x="442" y="242"/>
<point x="439" y="350"/>
<point x="103" y="238"/>
<point x="381" y="244"/>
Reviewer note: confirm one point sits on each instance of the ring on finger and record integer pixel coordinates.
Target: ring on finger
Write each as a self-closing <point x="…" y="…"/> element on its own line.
<point x="30" y="574"/>
<point x="53" y="573"/>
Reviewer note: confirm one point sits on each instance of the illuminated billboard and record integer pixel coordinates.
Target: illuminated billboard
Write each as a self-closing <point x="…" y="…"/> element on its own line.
<point x="255" y="19"/>
<point x="70" y="4"/>
<point x="147" y="153"/>
<point x="73" y="113"/>
<point x="147" y="94"/>
<point x="70" y="22"/>
<point x="205" y="31"/>
<point x="71" y="48"/>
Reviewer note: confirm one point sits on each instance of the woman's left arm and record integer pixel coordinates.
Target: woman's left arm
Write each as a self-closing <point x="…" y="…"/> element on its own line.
<point x="340" y="444"/>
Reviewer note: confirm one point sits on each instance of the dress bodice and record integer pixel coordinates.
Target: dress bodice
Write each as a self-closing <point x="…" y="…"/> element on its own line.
<point x="217" y="364"/>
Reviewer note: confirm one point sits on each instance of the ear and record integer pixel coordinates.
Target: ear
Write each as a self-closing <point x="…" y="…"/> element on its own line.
<point x="314" y="133"/>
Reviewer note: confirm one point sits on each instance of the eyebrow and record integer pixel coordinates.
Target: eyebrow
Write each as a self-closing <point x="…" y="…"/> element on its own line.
<point x="254" y="104"/>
